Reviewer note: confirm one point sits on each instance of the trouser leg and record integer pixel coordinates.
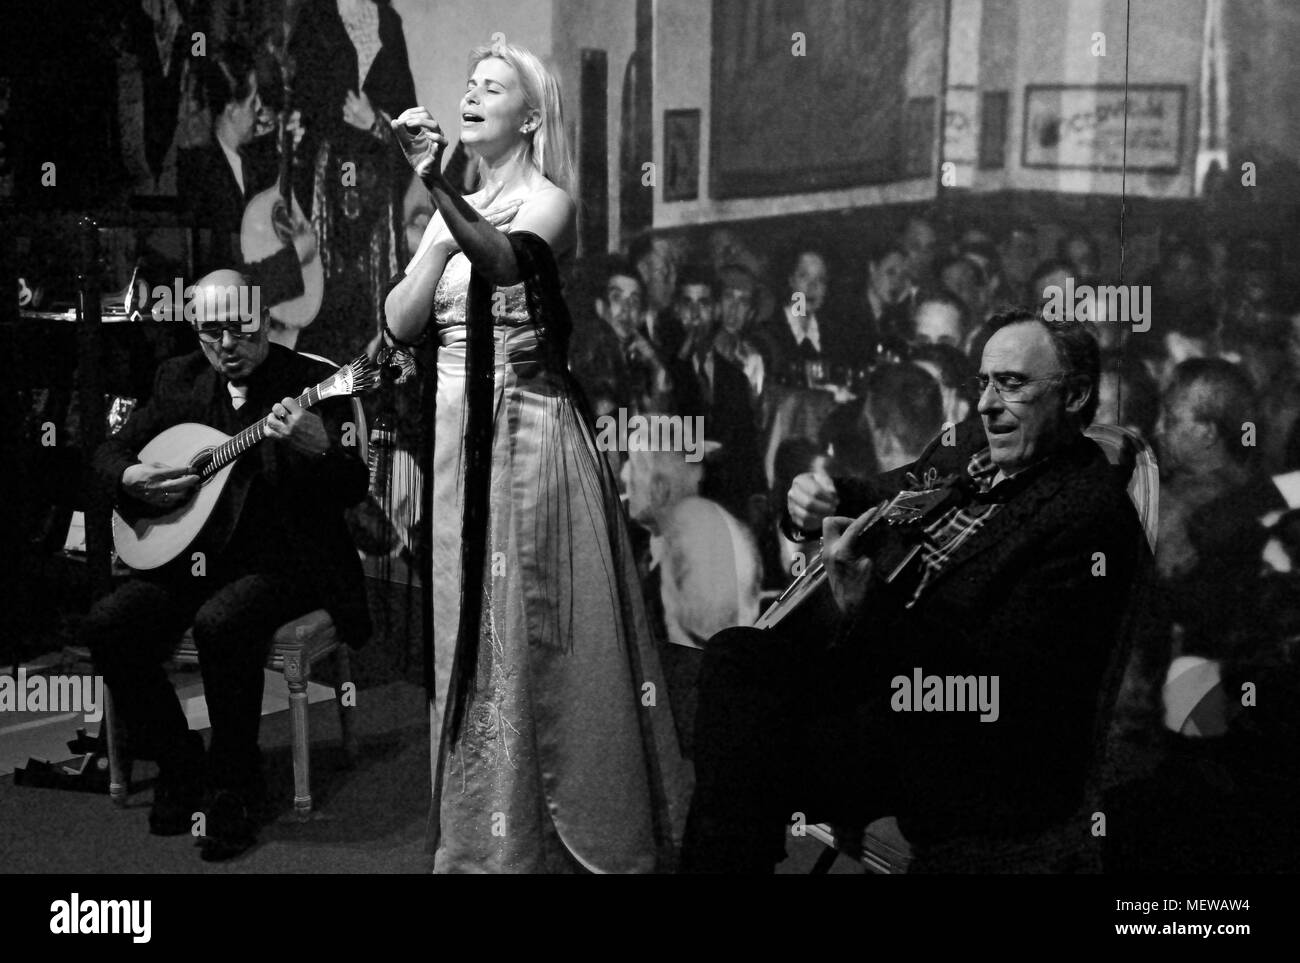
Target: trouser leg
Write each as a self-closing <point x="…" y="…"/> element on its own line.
<point x="233" y="631"/>
<point x="131" y="632"/>
<point x="777" y="734"/>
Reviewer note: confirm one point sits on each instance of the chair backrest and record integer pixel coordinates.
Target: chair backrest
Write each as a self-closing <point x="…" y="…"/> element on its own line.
<point x="358" y="412"/>
<point x="1127" y="451"/>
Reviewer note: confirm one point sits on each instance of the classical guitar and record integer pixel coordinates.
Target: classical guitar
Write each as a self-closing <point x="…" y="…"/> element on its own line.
<point x="892" y="537"/>
<point x="147" y="543"/>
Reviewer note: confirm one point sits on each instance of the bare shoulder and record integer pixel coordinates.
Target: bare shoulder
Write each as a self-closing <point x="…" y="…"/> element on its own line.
<point x="549" y="212"/>
<point x="549" y="198"/>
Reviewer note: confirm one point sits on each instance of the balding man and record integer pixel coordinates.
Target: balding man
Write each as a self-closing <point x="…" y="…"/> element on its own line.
<point x="275" y="548"/>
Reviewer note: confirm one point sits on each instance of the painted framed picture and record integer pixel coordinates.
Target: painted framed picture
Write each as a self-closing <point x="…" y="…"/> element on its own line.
<point x="1083" y="127"/>
<point x="794" y="112"/>
<point x="681" y="155"/>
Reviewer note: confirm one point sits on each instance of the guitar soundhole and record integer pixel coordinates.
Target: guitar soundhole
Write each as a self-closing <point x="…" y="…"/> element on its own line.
<point x="201" y="462"/>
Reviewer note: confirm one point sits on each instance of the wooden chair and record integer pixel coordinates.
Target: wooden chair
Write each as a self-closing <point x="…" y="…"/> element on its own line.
<point x="883" y="848"/>
<point x="295" y="649"/>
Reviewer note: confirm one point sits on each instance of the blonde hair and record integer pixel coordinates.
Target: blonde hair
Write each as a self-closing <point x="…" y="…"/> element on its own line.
<point x="548" y="144"/>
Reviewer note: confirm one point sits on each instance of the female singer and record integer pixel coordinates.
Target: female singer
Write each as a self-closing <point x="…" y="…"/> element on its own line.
<point x="556" y="746"/>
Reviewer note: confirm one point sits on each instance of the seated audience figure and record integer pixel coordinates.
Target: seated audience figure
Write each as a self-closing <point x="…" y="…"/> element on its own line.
<point x="921" y="242"/>
<point x="711" y="571"/>
<point x="1079" y="250"/>
<point x="888" y="300"/>
<point x="610" y="350"/>
<point x="1006" y="590"/>
<point x="1252" y="292"/>
<point x="726" y="249"/>
<point x="278" y="552"/>
<point x="1216" y="504"/>
<point x="1202" y="454"/>
<point x="939" y="317"/>
<point x="965" y="278"/>
<point x="653" y="483"/>
<point x="1127" y="396"/>
<point x="736" y="291"/>
<point x="995" y="292"/>
<point x="903" y="411"/>
<point x="955" y="377"/>
<point x="707" y="385"/>
<point x="656" y="266"/>
<point x="1018" y="250"/>
<point x="801" y="333"/>
<point x="1262" y="353"/>
<point x="1046" y="276"/>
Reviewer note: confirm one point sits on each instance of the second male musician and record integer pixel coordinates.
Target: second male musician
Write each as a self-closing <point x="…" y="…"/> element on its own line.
<point x="1022" y="590"/>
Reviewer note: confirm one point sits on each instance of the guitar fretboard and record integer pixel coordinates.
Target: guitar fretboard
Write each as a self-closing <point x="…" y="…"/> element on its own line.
<point x="224" y="454"/>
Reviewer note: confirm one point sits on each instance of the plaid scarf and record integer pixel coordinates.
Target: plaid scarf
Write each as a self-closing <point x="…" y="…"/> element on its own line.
<point x="947" y="533"/>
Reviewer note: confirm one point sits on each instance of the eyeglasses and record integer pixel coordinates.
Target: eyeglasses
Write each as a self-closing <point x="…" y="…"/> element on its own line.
<point x="239" y="330"/>
<point x="1009" y="387"/>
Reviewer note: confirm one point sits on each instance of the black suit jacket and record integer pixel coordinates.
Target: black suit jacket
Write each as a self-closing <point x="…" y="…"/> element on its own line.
<point x="736" y="471"/>
<point x="216" y="204"/>
<point x="841" y="344"/>
<point x="293" y="512"/>
<point x="1036" y="598"/>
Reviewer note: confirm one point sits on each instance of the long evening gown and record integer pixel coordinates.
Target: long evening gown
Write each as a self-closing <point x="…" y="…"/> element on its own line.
<point x="568" y="758"/>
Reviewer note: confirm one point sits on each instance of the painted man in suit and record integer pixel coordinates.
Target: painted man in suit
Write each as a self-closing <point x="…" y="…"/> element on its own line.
<point x="275" y="548"/>
<point x="218" y="180"/>
<point x="1021" y="587"/>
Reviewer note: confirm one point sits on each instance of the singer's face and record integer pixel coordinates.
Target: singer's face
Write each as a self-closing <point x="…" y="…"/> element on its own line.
<point x="493" y="109"/>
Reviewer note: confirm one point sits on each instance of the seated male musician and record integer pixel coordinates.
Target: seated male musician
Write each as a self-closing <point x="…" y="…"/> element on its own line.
<point x="1021" y="587"/>
<point x="275" y="548"/>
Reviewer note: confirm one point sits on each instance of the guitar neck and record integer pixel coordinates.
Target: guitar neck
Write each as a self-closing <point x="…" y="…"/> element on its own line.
<point x="224" y="454"/>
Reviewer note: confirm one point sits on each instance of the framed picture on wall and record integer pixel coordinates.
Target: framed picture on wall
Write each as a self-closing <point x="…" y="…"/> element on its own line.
<point x="794" y="114"/>
<point x="1083" y="127"/>
<point x="681" y="155"/>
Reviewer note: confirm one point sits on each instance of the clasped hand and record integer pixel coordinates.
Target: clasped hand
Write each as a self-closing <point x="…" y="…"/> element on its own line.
<point x="422" y="141"/>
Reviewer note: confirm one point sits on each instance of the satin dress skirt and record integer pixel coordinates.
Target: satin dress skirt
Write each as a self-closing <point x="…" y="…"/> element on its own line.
<point x="568" y="759"/>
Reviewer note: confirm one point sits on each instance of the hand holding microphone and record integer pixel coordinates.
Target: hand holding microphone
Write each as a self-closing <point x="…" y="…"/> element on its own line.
<point x="422" y="141"/>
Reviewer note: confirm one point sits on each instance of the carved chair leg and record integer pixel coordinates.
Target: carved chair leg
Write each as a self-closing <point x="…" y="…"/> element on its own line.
<point x="297" y="671"/>
<point x="119" y="766"/>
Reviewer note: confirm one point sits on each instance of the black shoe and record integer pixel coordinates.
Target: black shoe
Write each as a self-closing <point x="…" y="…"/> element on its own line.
<point x="178" y="794"/>
<point x="231" y="828"/>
